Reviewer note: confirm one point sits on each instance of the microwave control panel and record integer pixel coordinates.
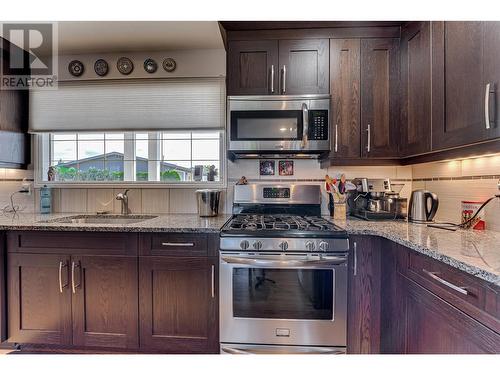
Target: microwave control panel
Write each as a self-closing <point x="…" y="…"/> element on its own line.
<point x="318" y="125"/>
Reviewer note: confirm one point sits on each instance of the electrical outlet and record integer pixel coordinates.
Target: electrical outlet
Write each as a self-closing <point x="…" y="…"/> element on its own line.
<point x="25" y="187"/>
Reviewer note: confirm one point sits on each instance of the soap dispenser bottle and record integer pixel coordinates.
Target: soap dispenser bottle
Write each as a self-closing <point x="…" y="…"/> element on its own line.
<point x="45" y="200"/>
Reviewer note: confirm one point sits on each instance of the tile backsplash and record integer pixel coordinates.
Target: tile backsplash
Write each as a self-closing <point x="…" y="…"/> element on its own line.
<point x="453" y="181"/>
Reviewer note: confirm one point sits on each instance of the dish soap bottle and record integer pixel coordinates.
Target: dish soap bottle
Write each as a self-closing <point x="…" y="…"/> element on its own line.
<point x="45" y="200"/>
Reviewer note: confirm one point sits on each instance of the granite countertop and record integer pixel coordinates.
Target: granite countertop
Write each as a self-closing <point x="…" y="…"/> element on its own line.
<point x="161" y="223"/>
<point x="475" y="252"/>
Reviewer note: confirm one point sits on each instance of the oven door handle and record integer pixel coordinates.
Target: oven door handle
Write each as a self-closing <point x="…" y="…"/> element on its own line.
<point x="271" y="350"/>
<point x="262" y="262"/>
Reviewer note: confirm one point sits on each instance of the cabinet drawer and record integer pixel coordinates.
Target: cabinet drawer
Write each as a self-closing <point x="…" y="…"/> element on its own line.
<point x="88" y="243"/>
<point x="174" y="244"/>
<point x="468" y="293"/>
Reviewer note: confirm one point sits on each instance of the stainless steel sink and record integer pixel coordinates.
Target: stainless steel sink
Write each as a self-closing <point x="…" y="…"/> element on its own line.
<point x="103" y="219"/>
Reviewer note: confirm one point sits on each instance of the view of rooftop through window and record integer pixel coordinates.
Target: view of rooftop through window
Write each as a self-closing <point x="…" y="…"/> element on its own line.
<point x="170" y="157"/>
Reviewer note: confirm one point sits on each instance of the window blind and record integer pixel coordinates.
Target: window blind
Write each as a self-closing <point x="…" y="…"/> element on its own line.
<point x="147" y="104"/>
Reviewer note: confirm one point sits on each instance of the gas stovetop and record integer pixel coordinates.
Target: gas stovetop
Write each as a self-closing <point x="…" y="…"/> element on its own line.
<point x="269" y="225"/>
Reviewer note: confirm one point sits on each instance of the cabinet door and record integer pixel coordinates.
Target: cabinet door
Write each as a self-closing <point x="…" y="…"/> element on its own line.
<point x="344" y="87"/>
<point x="252" y="67"/>
<point x="3" y="290"/>
<point x="304" y="66"/>
<point x="363" y="317"/>
<point x="39" y="299"/>
<point x="435" y="327"/>
<point x="178" y="304"/>
<point x="105" y="301"/>
<point x="379" y="97"/>
<point x="458" y="84"/>
<point x="492" y="75"/>
<point x="416" y="88"/>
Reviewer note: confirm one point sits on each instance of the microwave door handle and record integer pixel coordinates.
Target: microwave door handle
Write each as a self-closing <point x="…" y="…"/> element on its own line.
<point x="305" y="122"/>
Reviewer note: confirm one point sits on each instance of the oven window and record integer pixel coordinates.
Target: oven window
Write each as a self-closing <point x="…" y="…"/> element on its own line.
<point x="266" y="125"/>
<point x="283" y="293"/>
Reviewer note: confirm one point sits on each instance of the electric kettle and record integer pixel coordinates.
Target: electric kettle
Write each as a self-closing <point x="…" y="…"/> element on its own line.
<point x="423" y="206"/>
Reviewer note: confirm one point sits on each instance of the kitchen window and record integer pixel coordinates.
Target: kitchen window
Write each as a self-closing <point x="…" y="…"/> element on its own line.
<point x="178" y="158"/>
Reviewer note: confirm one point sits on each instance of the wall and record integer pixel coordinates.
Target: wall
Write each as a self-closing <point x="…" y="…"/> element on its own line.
<point x="453" y="181"/>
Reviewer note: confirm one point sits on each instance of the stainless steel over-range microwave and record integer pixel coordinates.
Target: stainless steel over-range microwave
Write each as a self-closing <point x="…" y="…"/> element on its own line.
<point x="279" y="124"/>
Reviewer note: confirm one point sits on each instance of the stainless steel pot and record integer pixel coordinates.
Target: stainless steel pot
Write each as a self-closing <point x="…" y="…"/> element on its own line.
<point x="208" y="202"/>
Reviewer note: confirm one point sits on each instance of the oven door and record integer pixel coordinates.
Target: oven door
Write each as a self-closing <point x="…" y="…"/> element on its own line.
<point x="276" y="125"/>
<point x="282" y="299"/>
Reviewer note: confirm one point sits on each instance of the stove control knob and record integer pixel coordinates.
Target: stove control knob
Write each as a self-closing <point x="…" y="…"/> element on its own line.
<point x="244" y="244"/>
<point x="257" y="245"/>
<point x="283" y="245"/>
<point x="310" y="246"/>
<point x="323" y="246"/>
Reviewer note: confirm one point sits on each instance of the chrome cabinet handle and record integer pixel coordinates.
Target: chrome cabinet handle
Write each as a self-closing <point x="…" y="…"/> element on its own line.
<point x="61" y="266"/>
<point x="272" y="79"/>
<point x="283" y="87"/>
<point x="336" y="137"/>
<point x="368" y="145"/>
<point x="178" y="244"/>
<point x="487" y="106"/>
<point x="355" y="260"/>
<point x="305" y="120"/>
<point x="73" y="284"/>
<point x="213" y="281"/>
<point x="456" y="288"/>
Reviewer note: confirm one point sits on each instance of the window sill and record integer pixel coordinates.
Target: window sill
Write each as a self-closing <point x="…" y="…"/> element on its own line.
<point x="138" y="185"/>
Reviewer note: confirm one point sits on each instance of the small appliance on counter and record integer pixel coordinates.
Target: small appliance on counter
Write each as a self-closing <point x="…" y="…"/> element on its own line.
<point x="423" y="206"/>
<point x="376" y="199"/>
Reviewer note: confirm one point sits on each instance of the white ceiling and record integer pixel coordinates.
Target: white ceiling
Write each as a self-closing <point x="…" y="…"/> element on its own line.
<point x="115" y="36"/>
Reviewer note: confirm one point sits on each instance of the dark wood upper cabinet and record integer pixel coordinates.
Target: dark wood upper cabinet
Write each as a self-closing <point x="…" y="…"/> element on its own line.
<point x="39" y="299"/>
<point x="380" y="118"/>
<point x="178" y="304"/>
<point x="464" y="63"/>
<point x="105" y="302"/>
<point x="284" y="67"/>
<point x="14" y="108"/>
<point x="345" y="102"/>
<point x="252" y="67"/>
<point x="416" y="105"/>
<point x="492" y="74"/>
<point x="304" y="66"/>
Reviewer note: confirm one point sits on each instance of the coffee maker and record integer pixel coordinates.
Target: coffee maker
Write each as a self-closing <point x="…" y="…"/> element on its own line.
<point x="376" y="199"/>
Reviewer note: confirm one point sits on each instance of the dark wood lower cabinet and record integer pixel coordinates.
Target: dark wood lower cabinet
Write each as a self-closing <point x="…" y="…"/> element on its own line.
<point x="105" y="302"/>
<point x="178" y="304"/>
<point x="39" y="306"/>
<point x="364" y="283"/>
<point x="435" y="327"/>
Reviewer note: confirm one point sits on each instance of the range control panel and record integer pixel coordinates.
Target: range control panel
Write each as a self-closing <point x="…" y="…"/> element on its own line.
<point x="275" y="192"/>
<point x="318" y="125"/>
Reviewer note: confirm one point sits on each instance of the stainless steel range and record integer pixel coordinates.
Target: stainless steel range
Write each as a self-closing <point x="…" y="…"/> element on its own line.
<point x="283" y="273"/>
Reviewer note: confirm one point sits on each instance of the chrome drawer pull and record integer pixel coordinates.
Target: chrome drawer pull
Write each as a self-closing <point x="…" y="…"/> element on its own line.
<point x="177" y="244"/>
<point x="447" y="283"/>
